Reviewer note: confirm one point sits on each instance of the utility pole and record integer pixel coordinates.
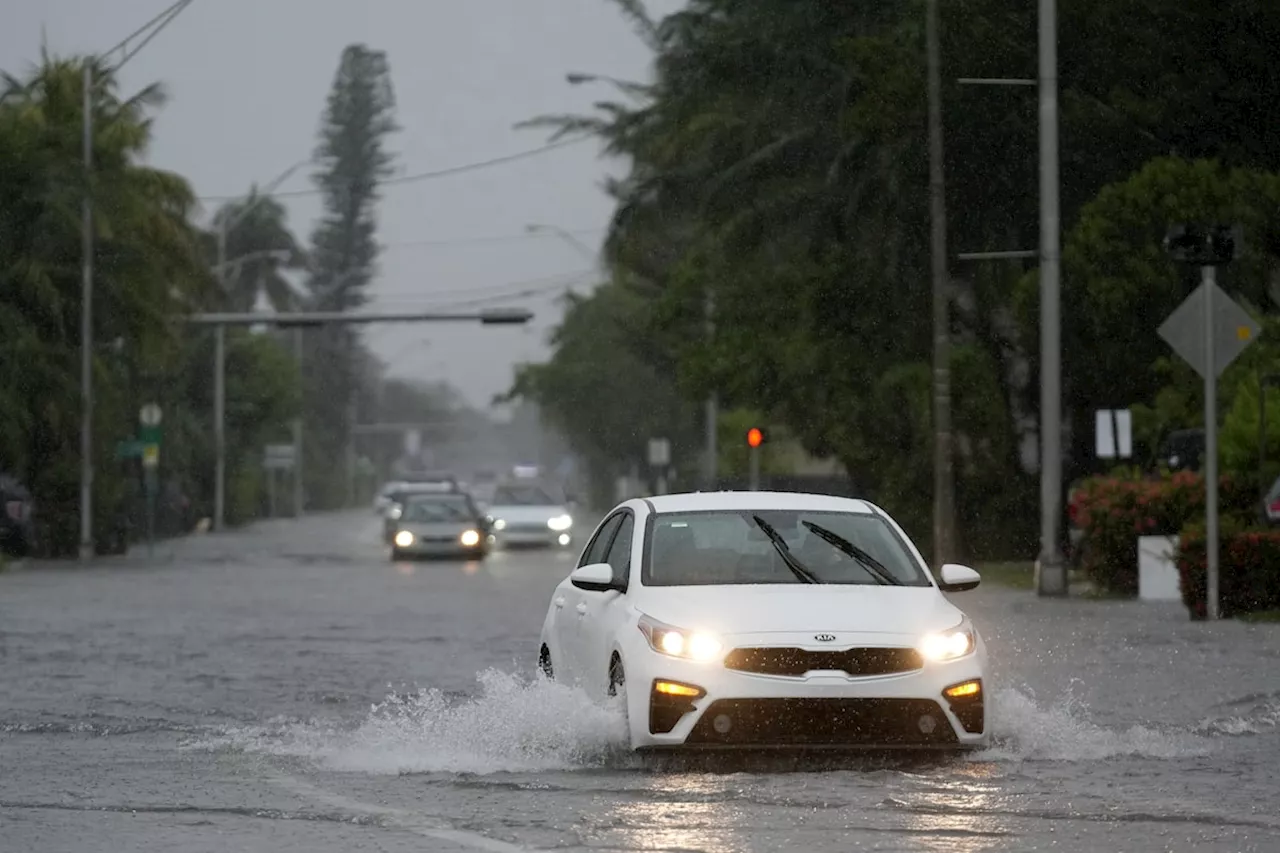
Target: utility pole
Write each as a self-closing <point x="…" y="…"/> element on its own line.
<point x="943" y="471"/>
<point x="150" y="30"/>
<point x="297" y="431"/>
<point x="712" y="408"/>
<point x="1052" y="568"/>
<point x="86" y="329"/>
<point x="220" y="392"/>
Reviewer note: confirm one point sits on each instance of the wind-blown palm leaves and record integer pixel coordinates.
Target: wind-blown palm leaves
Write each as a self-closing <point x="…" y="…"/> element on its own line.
<point x="259" y="249"/>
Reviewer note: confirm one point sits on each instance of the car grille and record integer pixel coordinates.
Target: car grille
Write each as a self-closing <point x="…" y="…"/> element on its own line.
<point x="527" y="527"/>
<point x="796" y="662"/>
<point x="823" y="722"/>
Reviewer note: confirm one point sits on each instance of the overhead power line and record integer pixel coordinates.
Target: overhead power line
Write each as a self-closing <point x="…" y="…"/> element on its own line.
<point x="427" y="176"/>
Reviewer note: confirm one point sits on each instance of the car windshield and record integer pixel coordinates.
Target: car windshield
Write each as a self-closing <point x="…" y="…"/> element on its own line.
<point x="731" y="547"/>
<point x="437" y="509"/>
<point x="522" y="496"/>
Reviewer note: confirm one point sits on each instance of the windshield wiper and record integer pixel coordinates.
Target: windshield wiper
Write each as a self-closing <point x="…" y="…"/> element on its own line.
<point x="873" y="566"/>
<point x="780" y="545"/>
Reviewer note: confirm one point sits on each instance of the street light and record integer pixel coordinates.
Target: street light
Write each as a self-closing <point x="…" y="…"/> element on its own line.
<point x="578" y="245"/>
<point x="147" y="32"/>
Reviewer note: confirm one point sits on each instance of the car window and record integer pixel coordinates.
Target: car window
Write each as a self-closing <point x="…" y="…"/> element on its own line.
<point x="437" y="510"/>
<point x="598" y="548"/>
<point x="620" y="551"/>
<point x="523" y="496"/>
<point x="728" y="547"/>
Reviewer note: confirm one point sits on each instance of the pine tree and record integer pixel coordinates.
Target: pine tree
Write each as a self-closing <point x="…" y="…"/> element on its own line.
<point x="353" y="159"/>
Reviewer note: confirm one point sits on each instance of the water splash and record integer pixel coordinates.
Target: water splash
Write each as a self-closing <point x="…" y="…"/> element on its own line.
<point x="1262" y="718"/>
<point x="1025" y="730"/>
<point x="512" y="725"/>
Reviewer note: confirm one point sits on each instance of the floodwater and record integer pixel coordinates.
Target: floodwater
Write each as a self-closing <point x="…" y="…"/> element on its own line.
<point x="288" y="688"/>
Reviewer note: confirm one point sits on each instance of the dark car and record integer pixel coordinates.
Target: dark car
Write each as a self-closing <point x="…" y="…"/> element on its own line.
<point x="396" y="499"/>
<point x="17" y="528"/>
<point x="440" y="525"/>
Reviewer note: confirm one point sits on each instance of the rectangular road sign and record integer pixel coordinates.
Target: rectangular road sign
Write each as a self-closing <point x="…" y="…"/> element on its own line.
<point x="150" y="455"/>
<point x="659" y="452"/>
<point x="131" y="449"/>
<point x="1233" y="330"/>
<point x="278" y="457"/>
<point x="149" y="434"/>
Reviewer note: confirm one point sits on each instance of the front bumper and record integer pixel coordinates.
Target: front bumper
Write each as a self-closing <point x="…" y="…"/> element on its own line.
<point x="534" y="537"/>
<point x="821" y="710"/>
<point x="440" y="547"/>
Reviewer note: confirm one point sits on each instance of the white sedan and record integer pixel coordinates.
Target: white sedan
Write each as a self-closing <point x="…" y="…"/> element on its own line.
<point x="761" y="619"/>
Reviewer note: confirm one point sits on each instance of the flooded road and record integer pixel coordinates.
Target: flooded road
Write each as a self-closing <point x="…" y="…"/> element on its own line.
<point x="288" y="688"/>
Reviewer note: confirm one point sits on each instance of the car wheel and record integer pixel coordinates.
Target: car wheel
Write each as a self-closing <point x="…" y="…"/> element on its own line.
<point x="544" y="664"/>
<point x="396" y="554"/>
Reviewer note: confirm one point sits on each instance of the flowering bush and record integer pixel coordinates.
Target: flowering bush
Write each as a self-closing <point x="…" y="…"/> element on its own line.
<point x="1248" y="570"/>
<point x="1113" y="512"/>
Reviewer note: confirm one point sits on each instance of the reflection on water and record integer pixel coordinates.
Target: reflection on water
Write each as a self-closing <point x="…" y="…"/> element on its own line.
<point x="684" y="813"/>
<point x="772" y="762"/>
<point x="958" y="815"/>
<point x="405" y="568"/>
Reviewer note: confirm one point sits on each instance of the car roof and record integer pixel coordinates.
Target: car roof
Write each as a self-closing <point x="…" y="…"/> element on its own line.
<point x="729" y="500"/>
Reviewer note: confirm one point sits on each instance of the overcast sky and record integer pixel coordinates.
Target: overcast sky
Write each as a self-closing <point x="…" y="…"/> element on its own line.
<point x="248" y="79"/>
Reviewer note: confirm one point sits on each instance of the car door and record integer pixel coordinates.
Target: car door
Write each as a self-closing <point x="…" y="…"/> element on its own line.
<point x="570" y="603"/>
<point x="602" y="613"/>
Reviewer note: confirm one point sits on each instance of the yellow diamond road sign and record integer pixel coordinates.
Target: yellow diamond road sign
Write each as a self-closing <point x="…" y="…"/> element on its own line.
<point x="1233" y="330"/>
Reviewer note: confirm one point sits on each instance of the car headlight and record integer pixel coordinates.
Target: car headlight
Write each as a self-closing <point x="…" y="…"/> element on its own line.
<point x="395" y="511"/>
<point x="404" y="539"/>
<point x="947" y="645"/>
<point x="499" y="524"/>
<point x="560" y="522"/>
<point x="469" y="538"/>
<point x="679" y="643"/>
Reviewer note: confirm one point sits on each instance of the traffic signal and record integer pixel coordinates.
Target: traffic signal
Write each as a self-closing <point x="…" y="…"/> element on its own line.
<point x="755" y="437"/>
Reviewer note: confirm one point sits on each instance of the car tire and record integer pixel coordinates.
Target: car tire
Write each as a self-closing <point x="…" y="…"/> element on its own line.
<point x="617" y="675"/>
<point x="396" y="555"/>
<point x="544" y="664"/>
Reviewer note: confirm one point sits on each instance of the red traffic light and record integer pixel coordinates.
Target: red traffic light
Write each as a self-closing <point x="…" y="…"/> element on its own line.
<point x="754" y="437"/>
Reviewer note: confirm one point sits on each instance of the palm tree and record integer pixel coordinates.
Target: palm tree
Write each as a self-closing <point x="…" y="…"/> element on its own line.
<point x="258" y="231"/>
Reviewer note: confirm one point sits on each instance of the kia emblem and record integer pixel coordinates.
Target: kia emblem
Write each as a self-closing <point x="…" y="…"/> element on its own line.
<point x="824" y="638"/>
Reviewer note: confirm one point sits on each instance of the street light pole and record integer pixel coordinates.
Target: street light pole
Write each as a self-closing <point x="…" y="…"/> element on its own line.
<point x="943" y="471"/>
<point x="1053" y="568"/>
<point x="86" y="328"/>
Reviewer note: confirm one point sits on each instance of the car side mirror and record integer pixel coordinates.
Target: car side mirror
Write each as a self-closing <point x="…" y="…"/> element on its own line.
<point x="593" y="577"/>
<point x="954" y="577"/>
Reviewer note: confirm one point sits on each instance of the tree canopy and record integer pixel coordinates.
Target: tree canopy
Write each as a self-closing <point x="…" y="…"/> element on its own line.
<point x="778" y="167"/>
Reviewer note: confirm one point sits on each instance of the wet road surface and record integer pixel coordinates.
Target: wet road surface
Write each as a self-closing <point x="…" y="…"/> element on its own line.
<point x="288" y="688"/>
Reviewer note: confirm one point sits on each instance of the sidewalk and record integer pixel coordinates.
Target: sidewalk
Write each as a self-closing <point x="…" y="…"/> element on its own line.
<point x="235" y="542"/>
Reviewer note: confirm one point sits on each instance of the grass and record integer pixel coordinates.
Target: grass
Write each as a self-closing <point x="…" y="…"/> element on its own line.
<point x="1018" y="574"/>
<point x="1260" y="616"/>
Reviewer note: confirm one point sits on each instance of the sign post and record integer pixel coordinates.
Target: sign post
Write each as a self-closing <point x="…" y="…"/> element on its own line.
<point x="1208" y="330"/>
<point x="149" y="417"/>
<point x="659" y="460"/>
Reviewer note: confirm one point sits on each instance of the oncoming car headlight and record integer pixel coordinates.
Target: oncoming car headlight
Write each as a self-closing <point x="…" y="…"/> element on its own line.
<point x="499" y="524"/>
<point x="947" y="645"/>
<point x="560" y="522"/>
<point x="679" y="643"/>
<point x="404" y="539"/>
<point x="469" y="538"/>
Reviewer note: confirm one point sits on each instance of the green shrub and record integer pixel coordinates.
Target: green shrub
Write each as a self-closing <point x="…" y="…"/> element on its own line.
<point x="1248" y="570"/>
<point x="1114" y="511"/>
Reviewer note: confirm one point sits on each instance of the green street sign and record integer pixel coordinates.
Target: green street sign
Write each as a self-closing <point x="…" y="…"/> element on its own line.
<point x="149" y="434"/>
<point x="131" y="449"/>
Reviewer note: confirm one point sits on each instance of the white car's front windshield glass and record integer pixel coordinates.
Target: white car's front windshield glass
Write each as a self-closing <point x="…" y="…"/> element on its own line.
<point x="522" y="496"/>
<point x="437" y="510"/>
<point x="728" y="547"/>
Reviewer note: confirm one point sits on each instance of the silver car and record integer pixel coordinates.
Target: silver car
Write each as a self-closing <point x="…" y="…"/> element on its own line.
<point x="441" y="525"/>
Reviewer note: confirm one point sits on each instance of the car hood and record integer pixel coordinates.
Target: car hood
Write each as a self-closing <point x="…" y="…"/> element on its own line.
<point x="519" y="514"/>
<point x="795" y="608"/>
<point x="438" y="528"/>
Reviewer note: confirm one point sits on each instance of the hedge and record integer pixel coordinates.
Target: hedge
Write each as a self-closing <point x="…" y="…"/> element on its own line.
<point x="1248" y="570"/>
<point x="1113" y="512"/>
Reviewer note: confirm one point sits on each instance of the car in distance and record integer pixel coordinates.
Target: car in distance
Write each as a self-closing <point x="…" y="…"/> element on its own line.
<point x="526" y="514"/>
<point x="440" y="525"/>
<point x="403" y="493"/>
<point x="759" y="619"/>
